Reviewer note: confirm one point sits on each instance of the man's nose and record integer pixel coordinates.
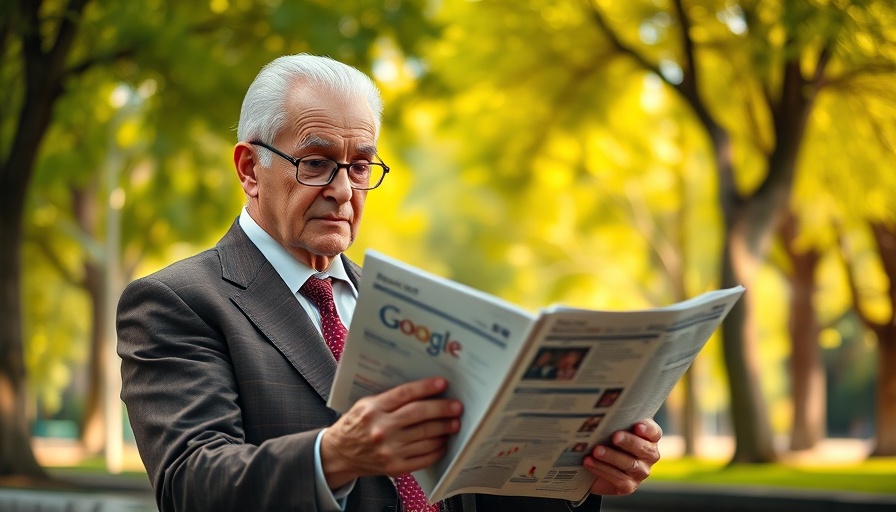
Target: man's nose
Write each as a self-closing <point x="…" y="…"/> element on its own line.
<point x="340" y="188"/>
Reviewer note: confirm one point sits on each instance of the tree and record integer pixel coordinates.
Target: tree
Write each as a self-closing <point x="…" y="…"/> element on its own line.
<point x="807" y="374"/>
<point x="197" y="59"/>
<point x="853" y="213"/>
<point x="789" y="56"/>
<point x="44" y="65"/>
<point x="750" y="75"/>
<point x="885" y="240"/>
<point x="750" y="216"/>
<point x="883" y="325"/>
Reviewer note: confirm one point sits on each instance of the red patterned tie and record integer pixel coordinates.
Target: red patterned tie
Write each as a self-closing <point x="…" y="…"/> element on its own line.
<point x="320" y="293"/>
<point x="411" y="495"/>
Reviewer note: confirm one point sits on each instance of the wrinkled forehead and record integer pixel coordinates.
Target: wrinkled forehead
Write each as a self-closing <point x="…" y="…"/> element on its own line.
<point x="323" y="116"/>
<point x="307" y="93"/>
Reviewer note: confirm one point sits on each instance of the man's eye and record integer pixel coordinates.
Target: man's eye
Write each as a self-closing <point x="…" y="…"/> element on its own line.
<point x="316" y="163"/>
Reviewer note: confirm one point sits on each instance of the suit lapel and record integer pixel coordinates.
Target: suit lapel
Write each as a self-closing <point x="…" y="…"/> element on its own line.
<point x="272" y="307"/>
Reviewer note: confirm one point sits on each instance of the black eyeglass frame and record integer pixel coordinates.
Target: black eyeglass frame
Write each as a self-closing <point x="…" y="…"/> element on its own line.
<point x="295" y="162"/>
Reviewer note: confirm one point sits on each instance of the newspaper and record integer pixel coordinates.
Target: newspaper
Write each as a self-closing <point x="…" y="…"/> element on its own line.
<point x="540" y="391"/>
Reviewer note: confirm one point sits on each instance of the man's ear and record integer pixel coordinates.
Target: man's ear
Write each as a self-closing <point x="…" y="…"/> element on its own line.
<point x="245" y="161"/>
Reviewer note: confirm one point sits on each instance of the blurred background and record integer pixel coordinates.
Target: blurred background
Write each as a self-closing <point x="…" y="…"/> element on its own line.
<point x="594" y="153"/>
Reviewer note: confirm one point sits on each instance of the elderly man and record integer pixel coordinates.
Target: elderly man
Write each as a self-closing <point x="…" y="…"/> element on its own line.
<point x="228" y="356"/>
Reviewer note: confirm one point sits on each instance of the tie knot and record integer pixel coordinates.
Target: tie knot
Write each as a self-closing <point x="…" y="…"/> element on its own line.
<point x="318" y="291"/>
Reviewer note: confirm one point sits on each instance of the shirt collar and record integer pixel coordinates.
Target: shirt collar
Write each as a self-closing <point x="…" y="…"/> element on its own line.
<point x="293" y="272"/>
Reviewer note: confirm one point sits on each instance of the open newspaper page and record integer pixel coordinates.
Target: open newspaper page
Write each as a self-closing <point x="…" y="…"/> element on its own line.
<point x="581" y="376"/>
<point x="409" y="324"/>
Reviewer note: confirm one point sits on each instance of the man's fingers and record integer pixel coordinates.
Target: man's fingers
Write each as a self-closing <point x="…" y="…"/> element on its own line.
<point x="399" y="396"/>
<point x="425" y="410"/>
<point x="397" y="431"/>
<point x="640" y="444"/>
<point x="440" y="428"/>
<point x="424" y="448"/>
<point x="620" y="468"/>
<point x="621" y="462"/>
<point x="611" y="480"/>
<point x="414" y="403"/>
<point x="649" y="430"/>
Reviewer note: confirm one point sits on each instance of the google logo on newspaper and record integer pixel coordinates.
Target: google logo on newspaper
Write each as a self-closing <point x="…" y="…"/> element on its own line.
<point x="390" y="316"/>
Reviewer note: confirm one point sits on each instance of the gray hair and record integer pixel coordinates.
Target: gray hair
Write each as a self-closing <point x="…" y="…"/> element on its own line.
<point x="263" y="113"/>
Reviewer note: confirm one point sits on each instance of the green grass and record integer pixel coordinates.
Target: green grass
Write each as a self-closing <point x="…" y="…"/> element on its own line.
<point x="873" y="476"/>
<point x="91" y="465"/>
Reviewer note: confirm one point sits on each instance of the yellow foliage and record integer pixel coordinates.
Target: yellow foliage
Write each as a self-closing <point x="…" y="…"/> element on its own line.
<point x="44" y="215"/>
<point x="274" y="43"/>
<point x="830" y="338"/>
<point x="128" y="133"/>
<point x="391" y="69"/>
<point x="218" y="6"/>
<point x="832" y="297"/>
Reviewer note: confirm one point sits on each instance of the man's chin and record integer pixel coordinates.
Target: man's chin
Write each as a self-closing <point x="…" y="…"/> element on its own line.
<point x="331" y="245"/>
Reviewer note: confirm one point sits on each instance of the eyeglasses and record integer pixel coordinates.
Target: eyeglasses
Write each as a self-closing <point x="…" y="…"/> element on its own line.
<point x="314" y="171"/>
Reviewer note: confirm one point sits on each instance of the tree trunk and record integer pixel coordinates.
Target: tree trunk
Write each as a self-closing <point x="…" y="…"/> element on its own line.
<point x="690" y="404"/>
<point x="807" y="374"/>
<point x="753" y="438"/>
<point x="749" y="223"/>
<point x="885" y="442"/>
<point x="885" y="331"/>
<point x="93" y="432"/>
<point x="16" y="455"/>
<point x="885" y="439"/>
<point x="44" y="65"/>
<point x="690" y="411"/>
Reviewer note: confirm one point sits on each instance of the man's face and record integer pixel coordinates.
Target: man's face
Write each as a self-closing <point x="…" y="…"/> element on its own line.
<point x="315" y="223"/>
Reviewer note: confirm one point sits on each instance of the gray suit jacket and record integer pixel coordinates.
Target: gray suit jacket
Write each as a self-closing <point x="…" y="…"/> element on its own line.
<point x="226" y="380"/>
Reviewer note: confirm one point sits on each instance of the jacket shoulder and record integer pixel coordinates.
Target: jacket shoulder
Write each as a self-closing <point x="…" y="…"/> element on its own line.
<point x="202" y="265"/>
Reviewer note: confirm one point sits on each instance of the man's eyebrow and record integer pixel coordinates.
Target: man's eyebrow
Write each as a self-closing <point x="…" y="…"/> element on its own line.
<point x="313" y="141"/>
<point x="366" y="149"/>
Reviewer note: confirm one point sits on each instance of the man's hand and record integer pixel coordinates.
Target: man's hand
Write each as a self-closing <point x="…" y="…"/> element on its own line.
<point x="398" y="431"/>
<point x="622" y="467"/>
